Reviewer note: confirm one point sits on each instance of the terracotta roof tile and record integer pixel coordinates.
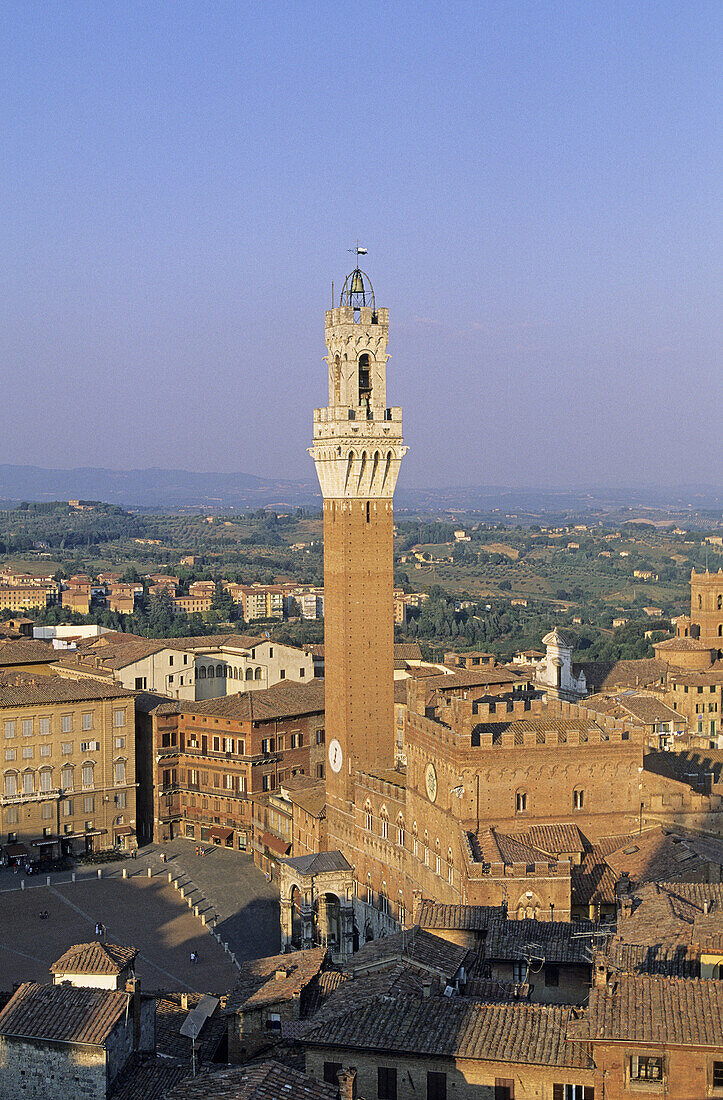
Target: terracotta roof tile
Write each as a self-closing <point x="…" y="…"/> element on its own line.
<point x="455" y="1027"/>
<point x="284" y="700"/>
<point x="26" y="651"/>
<point x="567" y="942"/>
<point x="644" y="1009"/>
<point x="63" y="1013"/>
<point x="94" y="958"/>
<point x="673" y="961"/>
<point x="416" y="947"/>
<point x="434" y="915"/>
<point x="268" y="1080"/>
<point x="18" y="689"/>
<point x="275" y="978"/>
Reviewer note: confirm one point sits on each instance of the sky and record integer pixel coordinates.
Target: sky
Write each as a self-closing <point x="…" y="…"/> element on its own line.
<point x="538" y="186"/>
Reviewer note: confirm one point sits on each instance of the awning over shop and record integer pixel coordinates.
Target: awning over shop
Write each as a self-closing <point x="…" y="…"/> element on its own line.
<point x="219" y="833"/>
<point x="275" y="844"/>
<point x="124" y="830"/>
<point x="15" y="851"/>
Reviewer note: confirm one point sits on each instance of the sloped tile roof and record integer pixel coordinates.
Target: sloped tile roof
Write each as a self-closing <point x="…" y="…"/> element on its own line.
<point x="94" y="958"/>
<point x="435" y="915"/>
<point x="18" y="689"/>
<point x="170" y="1017"/>
<point x="673" y="961"/>
<point x="568" y="942"/>
<point x="592" y="880"/>
<point x="148" y="1078"/>
<point x="268" y="1080"/>
<point x="414" y="946"/>
<point x="319" y="862"/>
<point x="455" y="1027"/>
<point x="62" y="1013"/>
<point x="340" y="997"/>
<point x="284" y="700"/>
<point x="609" y="675"/>
<point x="258" y="983"/>
<point x="556" y="839"/>
<point x="26" y="651"/>
<point x="674" y="912"/>
<point x="644" y="1009"/>
<point x="656" y="856"/>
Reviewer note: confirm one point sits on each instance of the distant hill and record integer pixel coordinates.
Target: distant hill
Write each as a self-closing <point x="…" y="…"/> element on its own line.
<point x="169" y="490"/>
<point x="155" y="488"/>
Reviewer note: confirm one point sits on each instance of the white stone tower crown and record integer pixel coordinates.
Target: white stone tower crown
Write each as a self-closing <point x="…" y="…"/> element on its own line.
<point x="358" y="444"/>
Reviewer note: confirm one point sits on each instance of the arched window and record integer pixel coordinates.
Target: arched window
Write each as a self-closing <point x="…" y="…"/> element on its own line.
<point x="88" y="774"/>
<point x="365" y="379"/>
<point x="450" y="868"/>
<point x="415" y="841"/>
<point x="426" y="848"/>
<point x="235" y="673"/>
<point x="700" y="601"/>
<point x="219" y="670"/>
<point x="384" y="816"/>
<point x="720" y="603"/>
<point x="370" y="892"/>
<point x="437" y="858"/>
<point x="249" y="674"/>
<point x="211" y="673"/>
<point x="400" y="831"/>
<point x="383" y="898"/>
<point x="46" y="779"/>
<point x="578" y="798"/>
<point x="520" y="801"/>
<point x="11" y="784"/>
<point x="66" y="778"/>
<point x="368" y="817"/>
<point x="202" y="672"/>
<point x="720" y="631"/>
<point x="258" y="674"/>
<point x="401" y="910"/>
<point x="119" y="771"/>
<point x="28" y="782"/>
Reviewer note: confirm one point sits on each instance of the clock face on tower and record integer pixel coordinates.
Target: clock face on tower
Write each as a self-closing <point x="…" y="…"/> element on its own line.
<point x="335" y="755"/>
<point x="430" y="779"/>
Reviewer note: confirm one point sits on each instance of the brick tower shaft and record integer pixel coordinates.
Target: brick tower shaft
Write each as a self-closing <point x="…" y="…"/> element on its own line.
<point x="357" y="451"/>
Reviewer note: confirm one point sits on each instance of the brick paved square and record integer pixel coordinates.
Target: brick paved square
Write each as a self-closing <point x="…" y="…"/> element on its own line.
<point x="146" y="913"/>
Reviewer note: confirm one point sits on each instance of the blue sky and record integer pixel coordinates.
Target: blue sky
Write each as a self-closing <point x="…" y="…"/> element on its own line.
<point x="538" y="185"/>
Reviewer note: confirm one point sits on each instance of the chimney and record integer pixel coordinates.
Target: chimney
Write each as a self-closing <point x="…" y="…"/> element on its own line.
<point x="184" y="1002"/>
<point x="427" y="987"/>
<point x="281" y="973"/>
<point x="133" y="988"/>
<point x="600" y="972"/>
<point x="626" y="906"/>
<point x="347" y="1083"/>
<point x="706" y="907"/>
<point x="416" y="905"/>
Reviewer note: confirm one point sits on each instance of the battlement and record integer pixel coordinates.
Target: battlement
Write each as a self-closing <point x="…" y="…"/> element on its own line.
<point x="339" y="417"/>
<point x="346" y="315"/>
<point x="701" y="580"/>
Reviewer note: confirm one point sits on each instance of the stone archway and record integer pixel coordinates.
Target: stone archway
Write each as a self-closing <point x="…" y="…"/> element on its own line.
<point x="316" y="903"/>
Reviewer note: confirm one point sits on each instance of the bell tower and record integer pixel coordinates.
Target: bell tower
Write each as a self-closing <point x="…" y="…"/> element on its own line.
<point x="357" y="451"/>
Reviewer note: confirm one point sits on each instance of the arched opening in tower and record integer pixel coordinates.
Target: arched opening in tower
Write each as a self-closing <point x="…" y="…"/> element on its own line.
<point x="365" y="381"/>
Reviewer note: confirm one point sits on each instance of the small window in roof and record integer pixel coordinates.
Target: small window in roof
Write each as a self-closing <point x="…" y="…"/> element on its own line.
<point x="631" y="850"/>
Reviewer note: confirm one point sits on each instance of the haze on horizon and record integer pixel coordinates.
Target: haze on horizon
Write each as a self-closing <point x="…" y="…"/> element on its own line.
<point x="538" y="186"/>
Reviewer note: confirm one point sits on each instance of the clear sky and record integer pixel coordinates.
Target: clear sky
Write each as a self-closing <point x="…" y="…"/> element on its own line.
<point x="538" y="185"/>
